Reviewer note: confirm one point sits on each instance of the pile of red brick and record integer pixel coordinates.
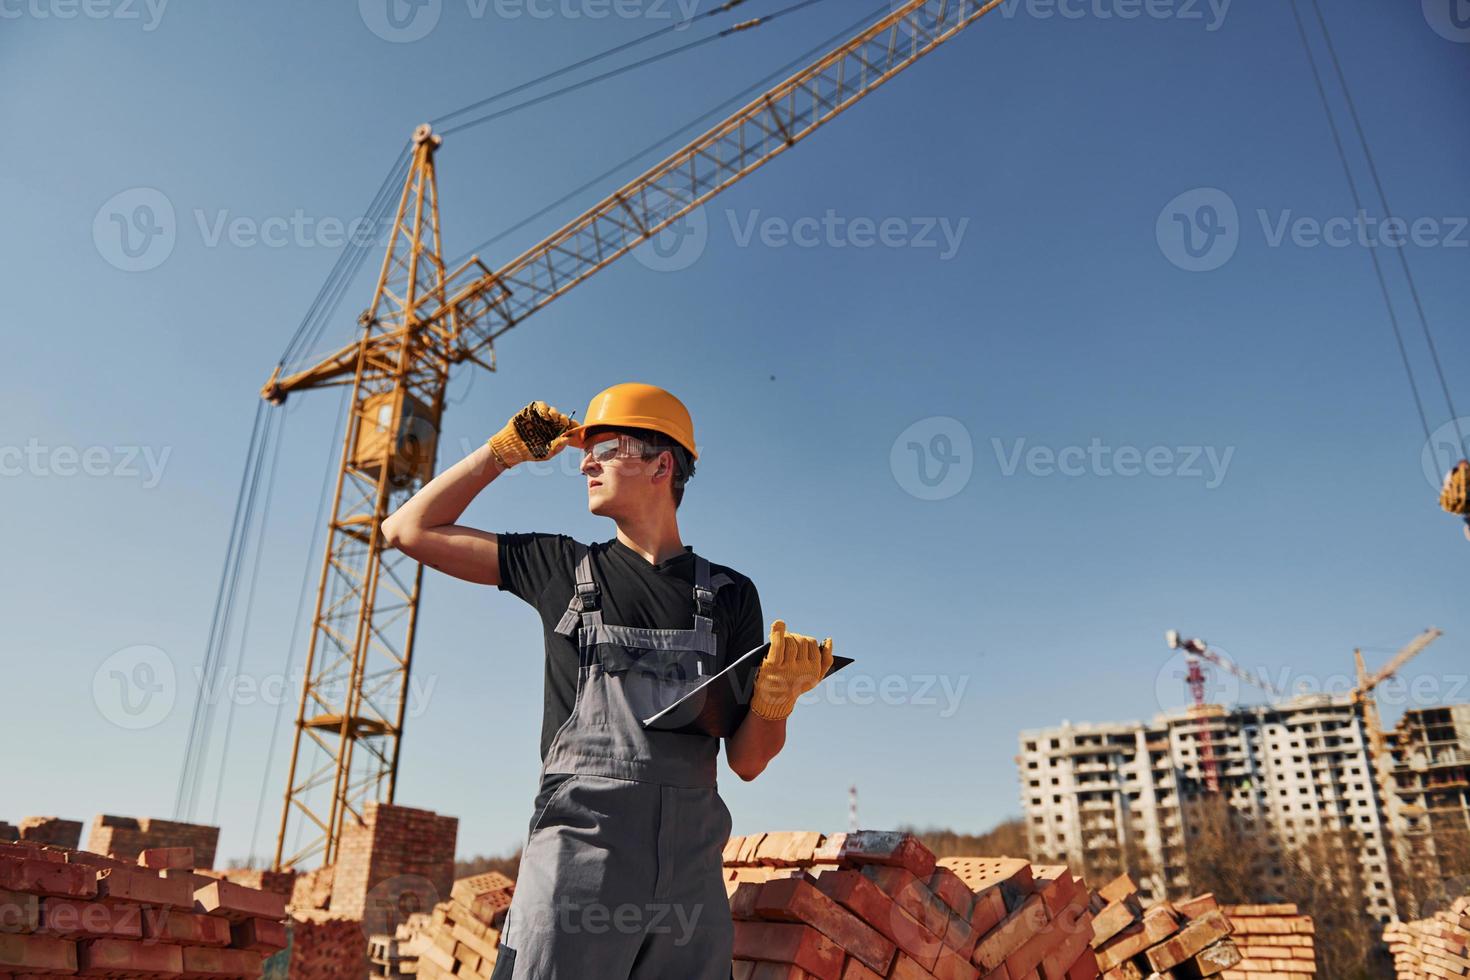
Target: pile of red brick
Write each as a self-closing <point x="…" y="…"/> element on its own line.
<point x="1188" y="939"/>
<point x="70" y="912"/>
<point x="44" y="830"/>
<point x="460" y="938"/>
<point x="127" y="837"/>
<point x="1438" y="946"/>
<point x="874" y="904"/>
<point x="1276" y="943"/>
<point x="394" y="862"/>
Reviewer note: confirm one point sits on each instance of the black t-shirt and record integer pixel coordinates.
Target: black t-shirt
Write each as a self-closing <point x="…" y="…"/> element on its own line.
<point x="540" y="568"/>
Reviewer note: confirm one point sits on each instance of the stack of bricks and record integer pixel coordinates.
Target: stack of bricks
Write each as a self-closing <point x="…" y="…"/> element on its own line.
<point x="877" y="904"/>
<point x="68" y="912"/>
<point x="44" y="830"/>
<point x="126" y="837"/>
<point x="460" y="938"/>
<point x="1276" y="943"/>
<point x="320" y="945"/>
<point x="1188" y="939"/>
<point x="395" y="862"/>
<point x="1438" y="946"/>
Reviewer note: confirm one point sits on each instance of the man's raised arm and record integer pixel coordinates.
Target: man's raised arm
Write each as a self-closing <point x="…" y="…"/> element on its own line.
<point x="424" y="527"/>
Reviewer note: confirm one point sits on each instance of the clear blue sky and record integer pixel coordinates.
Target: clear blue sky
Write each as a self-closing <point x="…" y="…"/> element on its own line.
<point x="1060" y="323"/>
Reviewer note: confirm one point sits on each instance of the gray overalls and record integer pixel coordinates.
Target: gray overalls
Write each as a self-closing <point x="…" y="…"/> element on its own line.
<point x="621" y="875"/>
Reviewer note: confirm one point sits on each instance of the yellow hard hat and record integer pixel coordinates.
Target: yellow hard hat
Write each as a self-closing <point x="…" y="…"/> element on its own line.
<point x="638" y="406"/>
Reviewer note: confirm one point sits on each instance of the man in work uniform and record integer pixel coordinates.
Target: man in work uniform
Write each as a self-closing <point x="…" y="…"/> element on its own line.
<point x="621" y="871"/>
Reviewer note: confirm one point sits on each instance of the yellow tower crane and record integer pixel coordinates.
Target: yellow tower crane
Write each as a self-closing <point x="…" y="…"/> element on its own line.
<point x="424" y="319"/>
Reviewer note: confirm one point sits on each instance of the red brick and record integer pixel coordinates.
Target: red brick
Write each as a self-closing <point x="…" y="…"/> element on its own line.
<point x="108" y="957"/>
<point x="858" y="893"/>
<point x="954" y="966"/>
<point x="73" y="918"/>
<point x="19" y="912"/>
<point x="1085" y="968"/>
<point x="187" y="928"/>
<point x="1113" y="919"/>
<point x="890" y="847"/>
<point x="854" y="970"/>
<point x="38" y="954"/>
<point x="203" y="961"/>
<point x="990" y="908"/>
<point x="912" y="895"/>
<point x="237" y="902"/>
<point x="952" y="890"/>
<point x="905" y="968"/>
<point x="262" y="935"/>
<point x="1118" y="889"/>
<point x="789" y="942"/>
<point x="1191" y="939"/>
<point x="144" y="887"/>
<point x="166" y="857"/>
<point x="1013" y="932"/>
<point x="800" y="901"/>
<point x="1013" y="875"/>
<point x="1193" y="908"/>
<point x="43" y="877"/>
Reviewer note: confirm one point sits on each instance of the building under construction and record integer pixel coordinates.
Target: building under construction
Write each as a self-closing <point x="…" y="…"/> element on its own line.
<point x="1118" y="794"/>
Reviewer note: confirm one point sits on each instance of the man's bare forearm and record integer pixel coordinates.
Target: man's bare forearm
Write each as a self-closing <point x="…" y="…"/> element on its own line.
<point x="755" y="743"/>
<point x="443" y="499"/>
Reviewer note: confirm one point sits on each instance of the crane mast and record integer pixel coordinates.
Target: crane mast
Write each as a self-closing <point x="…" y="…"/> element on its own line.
<point x="423" y="320"/>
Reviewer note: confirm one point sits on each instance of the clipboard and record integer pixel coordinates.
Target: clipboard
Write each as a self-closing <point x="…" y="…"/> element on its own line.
<point x="718" y="706"/>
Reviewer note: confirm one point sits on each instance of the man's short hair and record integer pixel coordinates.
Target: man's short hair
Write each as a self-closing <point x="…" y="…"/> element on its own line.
<point x="658" y="442"/>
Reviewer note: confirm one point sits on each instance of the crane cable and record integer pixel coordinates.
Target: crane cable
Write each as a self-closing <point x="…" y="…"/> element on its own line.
<point x="348" y="263"/>
<point x="1358" y="208"/>
<point x="741" y="96"/>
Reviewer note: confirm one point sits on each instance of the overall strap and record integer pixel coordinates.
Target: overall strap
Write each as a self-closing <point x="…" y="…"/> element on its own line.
<point x="586" y="602"/>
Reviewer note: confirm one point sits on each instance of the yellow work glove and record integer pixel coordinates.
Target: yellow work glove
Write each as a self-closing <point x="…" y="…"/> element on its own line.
<point x="794" y="665"/>
<point x="1455" y="497"/>
<point x="537" y="431"/>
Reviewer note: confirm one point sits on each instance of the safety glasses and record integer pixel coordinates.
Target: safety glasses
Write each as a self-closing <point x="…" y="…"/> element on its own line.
<point x="609" y="447"/>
